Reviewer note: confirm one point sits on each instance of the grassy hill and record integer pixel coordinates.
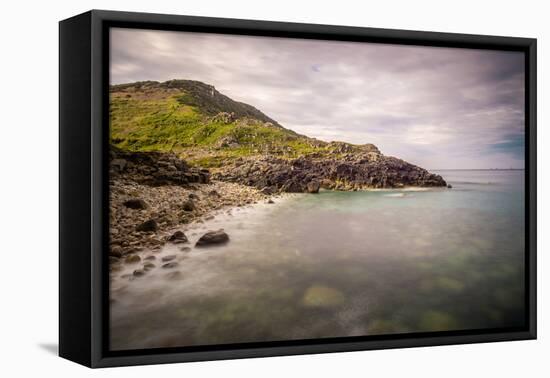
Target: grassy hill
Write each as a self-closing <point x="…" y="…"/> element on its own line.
<point x="202" y="125"/>
<point x="241" y="144"/>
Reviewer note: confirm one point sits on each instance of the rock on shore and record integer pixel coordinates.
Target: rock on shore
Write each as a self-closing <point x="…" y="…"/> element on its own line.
<point x="348" y="171"/>
<point x="147" y="204"/>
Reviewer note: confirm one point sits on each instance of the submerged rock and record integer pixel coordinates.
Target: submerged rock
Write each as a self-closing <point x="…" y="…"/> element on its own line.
<point x="170" y="265"/>
<point x="132" y="259"/>
<point x="322" y="297"/>
<point x="177" y="275"/>
<point x="149" y="266"/>
<point x="168" y="258"/>
<point x="213" y="237"/>
<point x="139" y="272"/>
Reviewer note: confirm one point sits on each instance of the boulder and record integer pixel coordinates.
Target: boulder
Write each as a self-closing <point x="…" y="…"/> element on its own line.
<point x="132" y="259"/>
<point x="148" y="226"/>
<point x="136" y="204"/>
<point x="189" y="205"/>
<point x="178" y="237"/>
<point x="313" y="186"/>
<point x="213" y="238"/>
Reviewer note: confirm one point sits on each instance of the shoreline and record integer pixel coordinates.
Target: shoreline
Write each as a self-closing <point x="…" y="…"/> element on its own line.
<point x="176" y="207"/>
<point x="165" y="209"/>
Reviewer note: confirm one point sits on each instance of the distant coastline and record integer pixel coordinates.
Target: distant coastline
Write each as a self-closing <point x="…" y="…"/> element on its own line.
<point x="477" y="169"/>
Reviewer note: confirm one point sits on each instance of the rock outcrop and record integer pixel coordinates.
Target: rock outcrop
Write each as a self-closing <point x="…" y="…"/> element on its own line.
<point x="154" y="169"/>
<point x="350" y="171"/>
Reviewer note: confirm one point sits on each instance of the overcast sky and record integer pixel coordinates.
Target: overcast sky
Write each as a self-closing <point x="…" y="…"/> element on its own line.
<point x="434" y="107"/>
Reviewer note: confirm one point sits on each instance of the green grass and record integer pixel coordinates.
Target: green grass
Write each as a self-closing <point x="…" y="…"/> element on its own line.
<point x="176" y="122"/>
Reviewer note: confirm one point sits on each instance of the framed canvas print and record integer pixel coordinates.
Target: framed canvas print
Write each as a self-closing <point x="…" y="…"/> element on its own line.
<point x="233" y="188"/>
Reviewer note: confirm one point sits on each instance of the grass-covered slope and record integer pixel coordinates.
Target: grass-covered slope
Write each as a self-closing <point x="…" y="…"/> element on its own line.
<point x="202" y="125"/>
<point x="191" y="117"/>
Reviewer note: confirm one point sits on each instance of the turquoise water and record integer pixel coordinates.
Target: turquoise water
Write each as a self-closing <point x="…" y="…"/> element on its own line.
<point x="340" y="264"/>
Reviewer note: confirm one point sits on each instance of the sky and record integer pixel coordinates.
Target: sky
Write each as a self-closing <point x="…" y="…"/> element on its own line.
<point x="439" y="108"/>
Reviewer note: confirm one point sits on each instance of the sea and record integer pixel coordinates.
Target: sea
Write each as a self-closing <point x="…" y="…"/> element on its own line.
<point x="338" y="264"/>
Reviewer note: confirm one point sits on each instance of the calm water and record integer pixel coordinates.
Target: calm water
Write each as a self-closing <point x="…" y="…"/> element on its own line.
<point x="340" y="264"/>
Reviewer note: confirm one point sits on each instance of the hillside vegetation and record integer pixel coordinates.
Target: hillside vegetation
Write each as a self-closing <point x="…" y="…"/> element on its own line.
<point x="192" y="118"/>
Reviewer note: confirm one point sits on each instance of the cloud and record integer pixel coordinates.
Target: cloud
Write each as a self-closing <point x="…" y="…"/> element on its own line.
<point x="435" y="107"/>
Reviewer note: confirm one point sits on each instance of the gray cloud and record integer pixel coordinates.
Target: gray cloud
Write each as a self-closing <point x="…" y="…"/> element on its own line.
<point x="435" y="107"/>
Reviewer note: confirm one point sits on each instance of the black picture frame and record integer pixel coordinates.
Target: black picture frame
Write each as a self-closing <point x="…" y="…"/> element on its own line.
<point x="83" y="196"/>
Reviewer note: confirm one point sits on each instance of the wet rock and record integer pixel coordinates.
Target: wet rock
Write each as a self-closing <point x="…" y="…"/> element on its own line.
<point x="168" y="258"/>
<point x="185" y="249"/>
<point x="136" y="204"/>
<point x="150" y="258"/>
<point x="132" y="259"/>
<point x="313" y="186"/>
<point x="148" y="266"/>
<point x="213" y="238"/>
<point x="178" y="237"/>
<point x="449" y="186"/>
<point x="170" y="265"/>
<point x="139" y="272"/>
<point x="193" y="196"/>
<point x="270" y="201"/>
<point x="113" y="260"/>
<point x="148" y="226"/>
